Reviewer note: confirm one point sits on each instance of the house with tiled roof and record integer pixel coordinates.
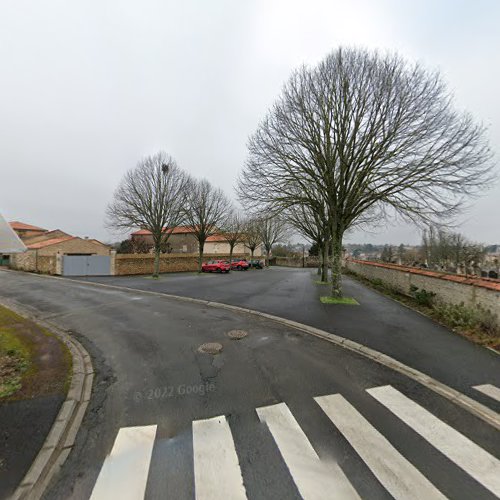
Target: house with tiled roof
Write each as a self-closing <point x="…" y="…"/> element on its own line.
<point x="25" y="231"/>
<point x="44" y="247"/>
<point x="182" y="240"/>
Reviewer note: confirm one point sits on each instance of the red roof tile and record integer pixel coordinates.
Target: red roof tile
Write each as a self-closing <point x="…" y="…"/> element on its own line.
<point x="47" y="243"/>
<point x="25" y="227"/>
<point x="216" y="237"/>
<point x="176" y="230"/>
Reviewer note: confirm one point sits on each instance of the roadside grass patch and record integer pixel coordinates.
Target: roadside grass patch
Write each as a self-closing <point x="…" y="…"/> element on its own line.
<point x="339" y="300"/>
<point x="319" y="282"/>
<point x="33" y="362"/>
<point x="14" y="362"/>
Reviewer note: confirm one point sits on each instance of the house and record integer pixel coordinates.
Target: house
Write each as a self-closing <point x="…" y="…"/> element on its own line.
<point x="43" y="248"/>
<point x="25" y="231"/>
<point x="183" y="240"/>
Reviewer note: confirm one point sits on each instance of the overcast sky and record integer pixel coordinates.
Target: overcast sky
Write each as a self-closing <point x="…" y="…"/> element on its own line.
<point x="89" y="87"/>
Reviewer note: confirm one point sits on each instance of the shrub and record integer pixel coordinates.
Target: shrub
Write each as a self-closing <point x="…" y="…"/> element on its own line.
<point x="463" y="317"/>
<point x="423" y="297"/>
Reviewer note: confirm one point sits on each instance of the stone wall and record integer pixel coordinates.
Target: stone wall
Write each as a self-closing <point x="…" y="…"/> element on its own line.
<point x="30" y="261"/>
<point x="449" y="288"/>
<point x="127" y="264"/>
<point x="295" y="261"/>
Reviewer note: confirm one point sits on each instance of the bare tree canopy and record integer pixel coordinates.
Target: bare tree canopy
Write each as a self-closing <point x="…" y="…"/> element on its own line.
<point x="365" y="131"/>
<point x="206" y="211"/>
<point x="252" y="235"/>
<point x="233" y="229"/>
<point x="150" y="196"/>
<point x="272" y="230"/>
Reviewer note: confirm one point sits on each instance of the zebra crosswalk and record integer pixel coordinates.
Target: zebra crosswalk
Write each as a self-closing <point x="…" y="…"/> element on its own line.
<point x="218" y="473"/>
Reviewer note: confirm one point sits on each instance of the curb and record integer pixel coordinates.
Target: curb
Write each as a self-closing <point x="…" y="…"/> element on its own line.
<point x="472" y="406"/>
<point x="61" y="437"/>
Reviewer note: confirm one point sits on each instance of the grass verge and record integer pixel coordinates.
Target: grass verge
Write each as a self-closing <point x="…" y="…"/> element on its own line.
<point x="319" y="282"/>
<point x="477" y="324"/>
<point x="339" y="300"/>
<point x="33" y="362"/>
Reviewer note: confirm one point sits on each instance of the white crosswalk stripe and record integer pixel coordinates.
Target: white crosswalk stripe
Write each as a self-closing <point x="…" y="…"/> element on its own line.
<point x="216" y="468"/>
<point x="482" y="466"/>
<point x="397" y="475"/>
<point x="217" y="473"/>
<point x="313" y="478"/>
<point x="124" y="473"/>
<point x="490" y="390"/>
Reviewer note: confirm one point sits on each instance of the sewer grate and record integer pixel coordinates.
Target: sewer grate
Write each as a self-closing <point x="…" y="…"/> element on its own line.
<point x="210" y="348"/>
<point x="237" y="334"/>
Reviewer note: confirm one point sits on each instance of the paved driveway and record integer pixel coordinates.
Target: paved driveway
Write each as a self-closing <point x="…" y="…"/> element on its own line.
<point x="379" y="322"/>
<point x="279" y="414"/>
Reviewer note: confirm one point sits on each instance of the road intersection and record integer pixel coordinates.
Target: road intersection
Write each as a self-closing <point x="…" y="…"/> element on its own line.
<point x="278" y="414"/>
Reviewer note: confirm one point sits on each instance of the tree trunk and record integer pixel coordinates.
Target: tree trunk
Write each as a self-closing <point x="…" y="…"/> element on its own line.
<point x="324" y="262"/>
<point x="156" y="268"/>
<point x="336" y="265"/>
<point x="252" y="250"/>
<point x="231" y="249"/>
<point x="267" y="257"/>
<point x="200" y="256"/>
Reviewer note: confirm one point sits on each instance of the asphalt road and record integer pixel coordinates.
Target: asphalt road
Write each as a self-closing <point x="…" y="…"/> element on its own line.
<point x="379" y="322"/>
<point x="167" y="421"/>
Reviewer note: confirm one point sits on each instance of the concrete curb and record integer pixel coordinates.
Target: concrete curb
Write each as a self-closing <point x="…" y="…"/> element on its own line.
<point x="61" y="438"/>
<point x="472" y="406"/>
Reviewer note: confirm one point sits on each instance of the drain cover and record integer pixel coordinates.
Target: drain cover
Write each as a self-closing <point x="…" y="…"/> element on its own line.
<point x="237" y="334"/>
<point x="210" y="348"/>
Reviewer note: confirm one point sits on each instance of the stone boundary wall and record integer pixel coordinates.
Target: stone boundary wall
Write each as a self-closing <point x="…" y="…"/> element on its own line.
<point x="30" y="261"/>
<point x="449" y="288"/>
<point x="128" y="264"/>
<point x="295" y="261"/>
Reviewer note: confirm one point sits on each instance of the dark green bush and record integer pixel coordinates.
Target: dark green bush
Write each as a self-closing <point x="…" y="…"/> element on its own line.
<point x="423" y="297"/>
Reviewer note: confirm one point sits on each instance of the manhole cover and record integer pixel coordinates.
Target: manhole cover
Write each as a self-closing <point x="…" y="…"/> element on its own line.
<point x="237" y="334"/>
<point x="210" y="348"/>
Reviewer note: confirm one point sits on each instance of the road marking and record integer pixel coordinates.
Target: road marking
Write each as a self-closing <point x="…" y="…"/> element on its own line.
<point x="217" y="471"/>
<point x="314" y="479"/>
<point x="489" y="390"/>
<point x="124" y="473"/>
<point x="400" y="478"/>
<point x="477" y="462"/>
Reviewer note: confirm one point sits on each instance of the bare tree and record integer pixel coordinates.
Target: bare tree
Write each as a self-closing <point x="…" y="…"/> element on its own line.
<point x="151" y="196"/>
<point x="272" y="229"/>
<point x="252" y="235"/>
<point x="206" y="210"/>
<point x="368" y="132"/>
<point x="233" y="230"/>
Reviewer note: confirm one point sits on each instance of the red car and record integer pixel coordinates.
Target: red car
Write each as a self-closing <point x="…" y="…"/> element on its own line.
<point x="217" y="266"/>
<point x="239" y="264"/>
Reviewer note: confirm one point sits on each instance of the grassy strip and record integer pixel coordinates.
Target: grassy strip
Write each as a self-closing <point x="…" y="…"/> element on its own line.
<point x="33" y="361"/>
<point x="319" y="282"/>
<point x="339" y="300"/>
<point x="475" y="324"/>
<point x="15" y="355"/>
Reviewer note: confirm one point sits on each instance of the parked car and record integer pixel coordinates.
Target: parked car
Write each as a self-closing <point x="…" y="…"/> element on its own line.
<point x="217" y="266"/>
<point x="240" y="264"/>
<point x="256" y="264"/>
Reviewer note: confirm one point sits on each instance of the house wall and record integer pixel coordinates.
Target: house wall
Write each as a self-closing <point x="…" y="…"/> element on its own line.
<point x="33" y="262"/>
<point x="449" y="288"/>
